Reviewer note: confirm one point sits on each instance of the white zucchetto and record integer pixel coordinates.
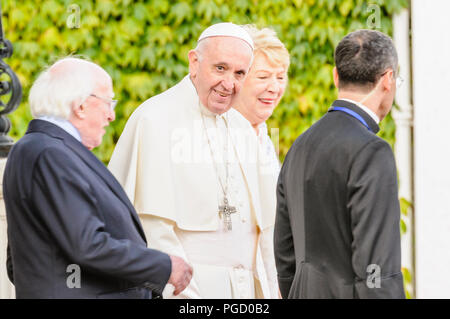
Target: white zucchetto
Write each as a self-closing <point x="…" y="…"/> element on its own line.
<point x="227" y="29"/>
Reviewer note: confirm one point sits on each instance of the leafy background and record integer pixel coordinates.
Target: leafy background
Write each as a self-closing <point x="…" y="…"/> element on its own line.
<point x="143" y="45"/>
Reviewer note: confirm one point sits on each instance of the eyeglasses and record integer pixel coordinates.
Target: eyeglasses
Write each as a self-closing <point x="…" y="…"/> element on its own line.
<point x="112" y="103"/>
<point x="398" y="79"/>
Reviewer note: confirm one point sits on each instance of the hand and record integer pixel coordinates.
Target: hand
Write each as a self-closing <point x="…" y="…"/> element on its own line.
<point x="181" y="274"/>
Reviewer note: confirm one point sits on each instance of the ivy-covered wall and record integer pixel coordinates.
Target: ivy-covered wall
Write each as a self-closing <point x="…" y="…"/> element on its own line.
<point x="143" y="44"/>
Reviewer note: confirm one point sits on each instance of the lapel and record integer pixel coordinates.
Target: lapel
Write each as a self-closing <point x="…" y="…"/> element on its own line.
<point x="89" y="159"/>
<point x="369" y="120"/>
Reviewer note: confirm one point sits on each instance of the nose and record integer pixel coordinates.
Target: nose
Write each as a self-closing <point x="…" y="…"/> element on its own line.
<point x="273" y="86"/>
<point x="228" y="83"/>
<point x="111" y="115"/>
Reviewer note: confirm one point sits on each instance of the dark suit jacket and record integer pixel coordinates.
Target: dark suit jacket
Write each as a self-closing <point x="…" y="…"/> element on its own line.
<point x="338" y="213"/>
<point x="64" y="207"/>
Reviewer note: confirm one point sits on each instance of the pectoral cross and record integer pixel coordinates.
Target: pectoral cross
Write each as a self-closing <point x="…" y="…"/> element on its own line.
<point x="225" y="210"/>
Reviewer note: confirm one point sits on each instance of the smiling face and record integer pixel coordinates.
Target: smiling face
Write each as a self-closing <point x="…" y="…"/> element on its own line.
<point x="262" y="90"/>
<point x="218" y="69"/>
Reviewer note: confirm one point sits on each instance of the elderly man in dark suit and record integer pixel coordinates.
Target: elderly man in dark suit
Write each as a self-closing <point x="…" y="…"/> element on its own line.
<point x="337" y="227"/>
<point x="72" y="231"/>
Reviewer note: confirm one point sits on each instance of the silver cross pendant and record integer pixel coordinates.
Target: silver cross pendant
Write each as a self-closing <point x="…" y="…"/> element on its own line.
<point x="225" y="210"/>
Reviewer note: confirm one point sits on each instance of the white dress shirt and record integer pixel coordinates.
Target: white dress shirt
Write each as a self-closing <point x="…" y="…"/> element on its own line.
<point x="365" y="109"/>
<point x="64" y="124"/>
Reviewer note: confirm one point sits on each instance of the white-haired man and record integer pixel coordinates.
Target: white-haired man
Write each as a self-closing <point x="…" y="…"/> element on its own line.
<point x="72" y="231"/>
<point x="195" y="195"/>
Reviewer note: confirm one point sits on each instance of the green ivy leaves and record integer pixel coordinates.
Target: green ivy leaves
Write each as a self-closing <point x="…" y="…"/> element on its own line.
<point x="143" y="44"/>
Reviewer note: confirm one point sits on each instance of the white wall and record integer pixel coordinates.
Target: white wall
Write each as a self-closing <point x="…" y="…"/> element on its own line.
<point x="431" y="88"/>
<point x="403" y="135"/>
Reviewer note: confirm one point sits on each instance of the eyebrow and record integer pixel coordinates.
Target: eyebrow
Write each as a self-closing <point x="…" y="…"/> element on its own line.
<point x="276" y="70"/>
<point x="221" y="63"/>
<point x="225" y="64"/>
<point x="267" y="73"/>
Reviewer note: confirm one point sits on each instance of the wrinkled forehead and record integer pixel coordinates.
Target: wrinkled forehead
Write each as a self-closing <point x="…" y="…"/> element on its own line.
<point x="229" y="50"/>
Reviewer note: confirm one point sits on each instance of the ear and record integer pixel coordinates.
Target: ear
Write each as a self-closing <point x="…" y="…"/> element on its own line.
<point x="78" y="109"/>
<point x="387" y="80"/>
<point x="193" y="62"/>
<point x="336" y="77"/>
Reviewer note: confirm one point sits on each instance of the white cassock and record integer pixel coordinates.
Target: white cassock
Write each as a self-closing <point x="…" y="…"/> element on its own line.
<point x="163" y="161"/>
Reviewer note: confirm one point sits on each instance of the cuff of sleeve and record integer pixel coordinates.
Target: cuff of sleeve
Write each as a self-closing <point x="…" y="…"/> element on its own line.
<point x="158" y="287"/>
<point x="388" y="288"/>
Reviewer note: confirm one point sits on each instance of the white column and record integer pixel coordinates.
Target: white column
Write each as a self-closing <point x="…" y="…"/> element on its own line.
<point x="431" y="71"/>
<point x="6" y="288"/>
<point x="403" y="139"/>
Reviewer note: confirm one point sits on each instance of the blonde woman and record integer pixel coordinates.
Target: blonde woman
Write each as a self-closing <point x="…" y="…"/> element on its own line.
<point x="266" y="81"/>
<point x="261" y="92"/>
<point x="263" y="88"/>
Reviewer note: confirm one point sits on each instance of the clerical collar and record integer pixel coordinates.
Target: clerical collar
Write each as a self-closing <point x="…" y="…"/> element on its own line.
<point x="365" y="109"/>
<point x="205" y="111"/>
<point x="64" y="124"/>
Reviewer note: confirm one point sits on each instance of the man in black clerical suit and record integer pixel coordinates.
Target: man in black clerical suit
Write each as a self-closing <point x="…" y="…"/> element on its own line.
<point x="72" y="231"/>
<point x="337" y="226"/>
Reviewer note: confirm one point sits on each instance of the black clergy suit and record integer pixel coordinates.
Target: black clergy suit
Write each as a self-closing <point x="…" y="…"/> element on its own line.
<point x="65" y="208"/>
<point x="338" y="212"/>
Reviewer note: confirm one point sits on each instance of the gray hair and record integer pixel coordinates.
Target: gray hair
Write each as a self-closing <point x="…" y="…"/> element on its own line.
<point x="362" y="56"/>
<point x="67" y="81"/>
<point x="200" y="48"/>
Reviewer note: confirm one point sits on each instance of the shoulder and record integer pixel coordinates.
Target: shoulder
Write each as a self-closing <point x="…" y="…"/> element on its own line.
<point x="164" y="101"/>
<point x="32" y="145"/>
<point x="347" y="132"/>
<point x="58" y="166"/>
<point x="376" y="154"/>
<point x="58" y="158"/>
<point x="41" y="147"/>
<point x="377" y="144"/>
<point x="38" y="155"/>
<point x="161" y="110"/>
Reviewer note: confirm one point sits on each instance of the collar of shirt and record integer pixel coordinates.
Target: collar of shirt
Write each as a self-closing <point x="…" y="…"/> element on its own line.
<point x="64" y="124"/>
<point x="262" y="130"/>
<point x="365" y="109"/>
<point x="205" y="111"/>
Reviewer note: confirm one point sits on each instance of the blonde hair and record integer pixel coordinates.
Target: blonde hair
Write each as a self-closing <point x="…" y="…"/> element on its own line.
<point x="267" y="43"/>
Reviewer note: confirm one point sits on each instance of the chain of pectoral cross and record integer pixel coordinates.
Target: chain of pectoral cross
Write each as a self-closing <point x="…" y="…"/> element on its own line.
<point x="225" y="210"/>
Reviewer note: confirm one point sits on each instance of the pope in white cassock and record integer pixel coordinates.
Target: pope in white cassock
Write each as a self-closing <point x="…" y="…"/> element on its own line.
<point x="195" y="176"/>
